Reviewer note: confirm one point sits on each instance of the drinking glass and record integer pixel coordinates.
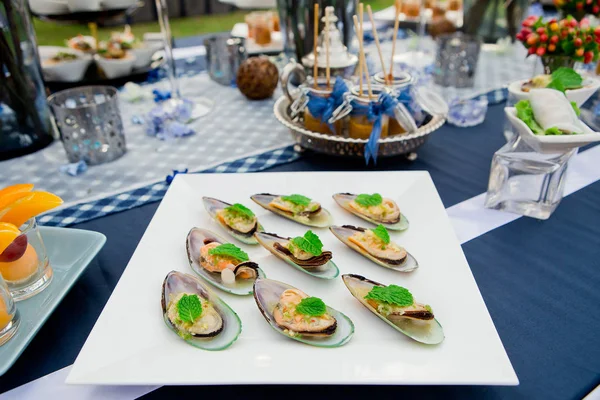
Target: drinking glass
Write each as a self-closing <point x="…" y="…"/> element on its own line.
<point x="9" y="316"/>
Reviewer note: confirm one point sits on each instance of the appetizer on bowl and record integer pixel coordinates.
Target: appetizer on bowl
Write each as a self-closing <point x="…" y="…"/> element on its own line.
<point x="397" y="307"/>
<point x="221" y="264"/>
<point x="86" y="44"/>
<point x="376" y="245"/>
<point x="114" y="60"/>
<point x="373" y="208"/>
<point x="196" y="314"/>
<point x="238" y="220"/>
<point x="63" y="63"/>
<point x="304" y="253"/>
<point x="548" y="122"/>
<point x="142" y="51"/>
<point x="301" y="317"/>
<point x="296" y="207"/>
<point x="576" y="87"/>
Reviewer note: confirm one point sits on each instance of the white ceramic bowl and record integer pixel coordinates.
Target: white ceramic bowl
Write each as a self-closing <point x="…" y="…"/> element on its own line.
<point x="117" y="4"/>
<point x="49" y="7"/>
<point x="144" y="54"/>
<point x="116" y="68"/>
<point x="65" y="71"/>
<point x="579" y="96"/>
<point x="84" y="5"/>
<point x="551" y="143"/>
<point x="88" y="39"/>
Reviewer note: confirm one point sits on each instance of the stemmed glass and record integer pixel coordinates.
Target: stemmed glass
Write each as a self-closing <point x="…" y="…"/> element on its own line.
<point x="200" y="105"/>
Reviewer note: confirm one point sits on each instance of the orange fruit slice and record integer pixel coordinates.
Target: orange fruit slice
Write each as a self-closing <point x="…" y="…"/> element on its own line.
<point x="27" y="207"/>
<point x="13" y="193"/>
<point x="8" y="233"/>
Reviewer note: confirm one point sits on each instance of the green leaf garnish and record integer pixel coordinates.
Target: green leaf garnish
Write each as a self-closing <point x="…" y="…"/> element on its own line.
<point x="229" y="250"/>
<point x="368" y="200"/>
<point x="241" y="210"/>
<point x="568" y="78"/>
<point x="556" y="85"/>
<point x="189" y="308"/>
<point x="309" y="243"/>
<point x="311" y="306"/>
<point x="392" y="294"/>
<point x="428" y="308"/>
<point x="297" y="199"/>
<point x="576" y="108"/>
<point x="525" y="114"/>
<point x="382" y="233"/>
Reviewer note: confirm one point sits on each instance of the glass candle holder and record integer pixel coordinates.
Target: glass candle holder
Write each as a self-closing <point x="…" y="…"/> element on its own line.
<point x="456" y="60"/>
<point x="400" y="85"/>
<point x="260" y="26"/>
<point x="360" y="125"/>
<point x="9" y="316"/>
<point x="31" y="273"/>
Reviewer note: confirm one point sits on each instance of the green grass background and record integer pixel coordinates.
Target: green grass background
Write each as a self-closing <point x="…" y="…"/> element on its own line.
<point x="55" y="34"/>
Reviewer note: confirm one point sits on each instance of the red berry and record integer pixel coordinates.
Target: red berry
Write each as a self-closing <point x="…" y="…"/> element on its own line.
<point x="588" y="39"/>
<point x="588" y="1"/>
<point x="527" y="31"/>
<point x="577" y="42"/>
<point x="579" y="52"/>
<point x="551" y="47"/>
<point x="541" y="51"/>
<point x="541" y="30"/>
<point x="15" y="250"/>
<point x="554" y="39"/>
<point x="520" y="36"/>
<point x="596" y="9"/>
<point x="597" y="30"/>
<point x="544" y="37"/>
<point x="574" y="22"/>
<point x="532" y="39"/>
<point x="531" y="50"/>
<point x="588" y="57"/>
<point x="579" y="6"/>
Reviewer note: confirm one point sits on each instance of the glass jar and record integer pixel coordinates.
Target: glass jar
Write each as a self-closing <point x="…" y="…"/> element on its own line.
<point x="260" y="26"/>
<point x="399" y="86"/>
<point x="364" y="112"/>
<point x="9" y="316"/>
<point x="24" y="118"/>
<point x="31" y="273"/>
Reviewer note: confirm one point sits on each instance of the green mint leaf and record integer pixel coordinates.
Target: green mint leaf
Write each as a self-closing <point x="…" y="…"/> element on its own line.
<point x="189" y="308"/>
<point x="368" y="200"/>
<point x="310" y="243"/>
<point x="311" y="306"/>
<point x="392" y="294"/>
<point x="525" y="114"/>
<point x="568" y="78"/>
<point x="241" y="210"/>
<point x="576" y="108"/>
<point x="229" y="250"/>
<point x="556" y="84"/>
<point x="297" y="199"/>
<point x="428" y="308"/>
<point x="382" y="233"/>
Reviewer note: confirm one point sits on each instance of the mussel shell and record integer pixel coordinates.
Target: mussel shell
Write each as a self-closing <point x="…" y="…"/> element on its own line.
<point x="178" y="282"/>
<point x="424" y="331"/>
<point x="344" y="198"/>
<point x="214" y="205"/>
<point x="267" y="293"/>
<point x="344" y="232"/>
<point x="196" y="238"/>
<point x="325" y="271"/>
<point x="319" y="219"/>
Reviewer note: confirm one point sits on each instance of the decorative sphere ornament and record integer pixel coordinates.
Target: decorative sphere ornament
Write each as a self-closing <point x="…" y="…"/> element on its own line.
<point x="257" y="78"/>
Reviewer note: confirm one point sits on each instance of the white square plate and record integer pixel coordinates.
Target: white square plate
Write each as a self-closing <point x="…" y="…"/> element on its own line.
<point x="130" y="344"/>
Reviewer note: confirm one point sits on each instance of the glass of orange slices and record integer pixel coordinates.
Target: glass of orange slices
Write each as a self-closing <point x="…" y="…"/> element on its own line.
<point x="24" y="262"/>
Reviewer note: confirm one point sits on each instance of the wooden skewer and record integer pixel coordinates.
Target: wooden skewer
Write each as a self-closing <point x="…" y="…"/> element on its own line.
<point x="376" y="36"/>
<point x="396" y="25"/>
<point x="360" y="64"/>
<point x="361" y="58"/>
<point x="364" y="57"/>
<point x="360" y="40"/>
<point x="316" y="39"/>
<point x="327" y="71"/>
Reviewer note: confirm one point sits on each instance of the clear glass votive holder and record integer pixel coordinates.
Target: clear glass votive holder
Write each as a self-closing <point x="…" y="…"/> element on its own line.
<point x="224" y="55"/>
<point x="88" y="119"/>
<point x="9" y="316"/>
<point x="31" y="273"/>
<point x="525" y="182"/>
<point x="456" y="60"/>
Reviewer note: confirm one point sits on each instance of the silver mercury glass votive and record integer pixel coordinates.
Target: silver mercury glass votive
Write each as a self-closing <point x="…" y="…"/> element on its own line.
<point x="456" y="60"/>
<point x="89" y="122"/>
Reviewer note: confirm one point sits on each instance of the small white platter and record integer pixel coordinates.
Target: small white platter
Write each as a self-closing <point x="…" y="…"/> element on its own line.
<point x="579" y="96"/>
<point x="276" y="46"/>
<point x="551" y="143"/>
<point x="130" y="345"/>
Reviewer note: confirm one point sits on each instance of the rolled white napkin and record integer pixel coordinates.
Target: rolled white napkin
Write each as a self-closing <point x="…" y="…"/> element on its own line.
<point x="552" y="109"/>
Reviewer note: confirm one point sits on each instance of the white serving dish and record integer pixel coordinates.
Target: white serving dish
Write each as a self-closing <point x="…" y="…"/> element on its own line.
<point x="551" y="143"/>
<point x="130" y="344"/>
<point x="115" y="68"/>
<point x="117" y="4"/>
<point x="88" y="39"/>
<point x="143" y="55"/>
<point x="67" y="71"/>
<point x="49" y="7"/>
<point x="579" y="96"/>
<point x="241" y="30"/>
<point x="84" y="5"/>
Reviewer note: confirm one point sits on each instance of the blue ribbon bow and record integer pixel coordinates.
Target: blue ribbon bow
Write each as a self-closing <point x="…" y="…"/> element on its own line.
<point x="323" y="107"/>
<point x="375" y="111"/>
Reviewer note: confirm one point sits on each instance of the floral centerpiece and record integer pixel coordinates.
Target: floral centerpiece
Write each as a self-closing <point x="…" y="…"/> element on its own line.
<point x="560" y="43"/>
<point x="578" y="8"/>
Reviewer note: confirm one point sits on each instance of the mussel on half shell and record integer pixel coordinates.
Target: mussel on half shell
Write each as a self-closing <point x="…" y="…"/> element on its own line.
<point x="276" y="302"/>
<point x="216" y="328"/>
<point x="416" y="321"/>
<point x="319" y="266"/>
<point x="387" y="214"/>
<point x="241" y="229"/>
<point x="392" y="256"/>
<point x="243" y="274"/>
<point x="311" y="215"/>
